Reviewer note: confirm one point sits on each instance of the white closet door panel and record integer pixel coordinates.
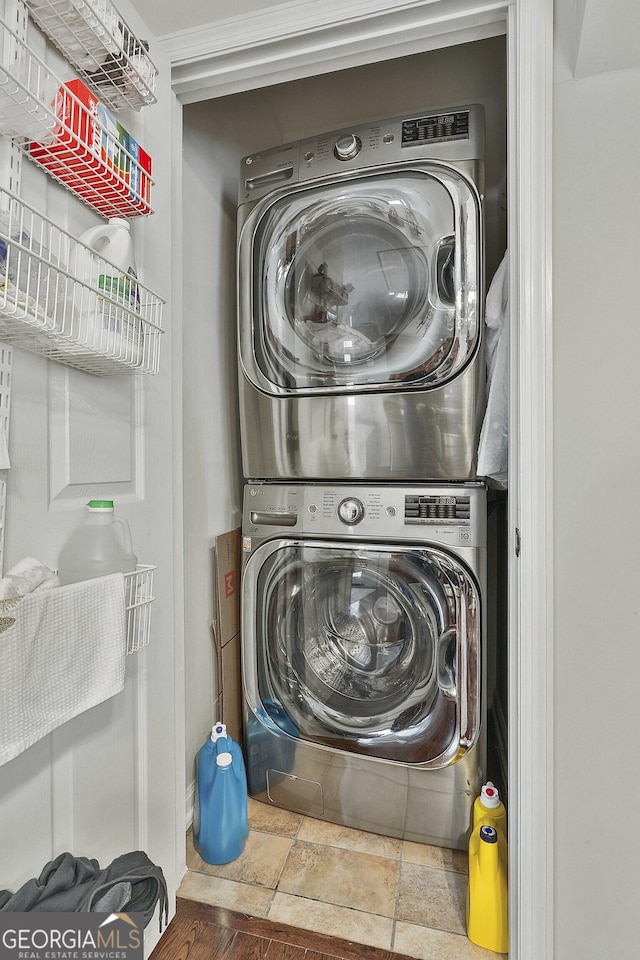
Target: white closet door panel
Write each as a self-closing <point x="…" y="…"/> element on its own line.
<point x="26" y="806"/>
<point x="111" y="780"/>
<point x="88" y="751"/>
<point x="95" y="428"/>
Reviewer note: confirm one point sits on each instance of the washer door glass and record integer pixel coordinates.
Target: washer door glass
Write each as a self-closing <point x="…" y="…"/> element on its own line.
<point x="370" y="650"/>
<point x="368" y="282"/>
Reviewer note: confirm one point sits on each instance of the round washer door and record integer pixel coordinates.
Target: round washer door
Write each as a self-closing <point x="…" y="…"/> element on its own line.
<point x="373" y="650"/>
<point x="364" y="283"/>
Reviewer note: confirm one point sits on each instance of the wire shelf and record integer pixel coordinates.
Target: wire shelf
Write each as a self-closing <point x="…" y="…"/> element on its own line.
<point x="58" y="298"/>
<point x="108" y="56"/>
<point x="71" y="134"/>
<point x="138" y="597"/>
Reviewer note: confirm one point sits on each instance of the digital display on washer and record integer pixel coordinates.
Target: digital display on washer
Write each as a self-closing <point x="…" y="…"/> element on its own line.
<point x="437" y="509"/>
<point x="443" y="126"/>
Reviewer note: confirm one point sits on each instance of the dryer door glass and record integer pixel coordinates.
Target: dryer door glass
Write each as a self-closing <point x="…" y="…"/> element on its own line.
<point x="374" y="651"/>
<point x="368" y="282"/>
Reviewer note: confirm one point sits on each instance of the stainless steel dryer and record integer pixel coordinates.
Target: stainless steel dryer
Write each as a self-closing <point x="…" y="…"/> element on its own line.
<point x="360" y="283"/>
<point x="362" y="654"/>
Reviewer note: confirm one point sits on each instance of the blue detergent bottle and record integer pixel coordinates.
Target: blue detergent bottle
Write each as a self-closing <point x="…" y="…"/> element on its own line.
<point x="221" y="824"/>
<point x="226" y="744"/>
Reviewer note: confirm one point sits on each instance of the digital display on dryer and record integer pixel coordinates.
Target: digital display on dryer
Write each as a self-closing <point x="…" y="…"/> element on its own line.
<point x="443" y="126"/>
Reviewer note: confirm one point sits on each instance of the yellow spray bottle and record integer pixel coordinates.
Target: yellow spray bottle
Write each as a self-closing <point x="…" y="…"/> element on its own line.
<point x="487" y="897"/>
<point x="489" y="808"/>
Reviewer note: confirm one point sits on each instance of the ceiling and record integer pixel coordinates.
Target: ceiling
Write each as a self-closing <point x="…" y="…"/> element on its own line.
<point x="165" y="17"/>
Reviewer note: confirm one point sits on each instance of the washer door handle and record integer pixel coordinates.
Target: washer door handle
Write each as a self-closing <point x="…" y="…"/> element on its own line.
<point x="262" y="518"/>
<point x="446" y="663"/>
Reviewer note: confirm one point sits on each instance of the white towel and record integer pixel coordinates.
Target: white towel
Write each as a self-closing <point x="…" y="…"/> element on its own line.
<point x="493" y="448"/>
<point x="27" y="575"/>
<point x="63" y="651"/>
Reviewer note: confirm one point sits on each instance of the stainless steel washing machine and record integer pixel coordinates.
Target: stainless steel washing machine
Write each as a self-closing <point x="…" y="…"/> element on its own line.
<point x="362" y="654"/>
<point x="360" y="286"/>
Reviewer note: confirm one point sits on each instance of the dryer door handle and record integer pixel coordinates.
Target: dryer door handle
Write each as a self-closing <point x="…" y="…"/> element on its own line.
<point x="444" y="266"/>
<point x="270" y="179"/>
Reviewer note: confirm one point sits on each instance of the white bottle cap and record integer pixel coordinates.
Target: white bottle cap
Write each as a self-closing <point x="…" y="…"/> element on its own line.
<point x="218" y="730"/>
<point x="224" y="759"/>
<point x="489" y="795"/>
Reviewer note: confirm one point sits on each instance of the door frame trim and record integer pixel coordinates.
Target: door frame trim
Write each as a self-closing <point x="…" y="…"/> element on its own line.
<point x="300" y="38"/>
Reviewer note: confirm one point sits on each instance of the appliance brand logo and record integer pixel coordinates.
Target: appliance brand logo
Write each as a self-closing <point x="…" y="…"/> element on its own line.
<point x="71" y="936"/>
<point x="229" y="584"/>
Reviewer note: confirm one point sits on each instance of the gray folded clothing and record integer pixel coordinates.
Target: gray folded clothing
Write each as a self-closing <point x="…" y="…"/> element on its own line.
<point x="131" y="884"/>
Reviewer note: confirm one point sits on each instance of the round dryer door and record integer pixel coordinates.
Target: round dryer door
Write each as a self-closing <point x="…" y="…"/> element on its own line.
<point x="374" y="651"/>
<point x="367" y="282"/>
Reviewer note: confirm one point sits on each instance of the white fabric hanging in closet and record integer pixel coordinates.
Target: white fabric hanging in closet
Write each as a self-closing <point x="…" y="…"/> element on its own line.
<point x="493" y="449"/>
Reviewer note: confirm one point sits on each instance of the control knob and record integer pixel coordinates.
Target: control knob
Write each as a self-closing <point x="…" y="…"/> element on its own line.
<point x="347" y="147"/>
<point x="350" y="511"/>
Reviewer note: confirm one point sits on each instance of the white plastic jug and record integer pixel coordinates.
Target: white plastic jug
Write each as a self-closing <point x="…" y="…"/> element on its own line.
<point x="113" y="323"/>
<point x="101" y="545"/>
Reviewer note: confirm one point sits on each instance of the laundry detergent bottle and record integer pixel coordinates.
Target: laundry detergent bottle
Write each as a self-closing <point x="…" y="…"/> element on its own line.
<point x="487" y="894"/>
<point x="113" y="324"/>
<point x="221" y="822"/>
<point x="226" y="744"/>
<point x="99" y="546"/>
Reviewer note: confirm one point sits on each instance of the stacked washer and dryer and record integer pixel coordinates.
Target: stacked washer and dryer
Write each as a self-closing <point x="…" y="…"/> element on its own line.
<point x="362" y="385"/>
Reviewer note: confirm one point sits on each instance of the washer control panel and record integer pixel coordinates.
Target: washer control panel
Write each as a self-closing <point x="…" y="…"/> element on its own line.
<point x="436" y="508"/>
<point x="420" y="513"/>
<point x="349" y="508"/>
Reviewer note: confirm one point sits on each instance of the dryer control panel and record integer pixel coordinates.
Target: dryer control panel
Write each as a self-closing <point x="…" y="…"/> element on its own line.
<point x="436" y="128"/>
<point x="455" y="136"/>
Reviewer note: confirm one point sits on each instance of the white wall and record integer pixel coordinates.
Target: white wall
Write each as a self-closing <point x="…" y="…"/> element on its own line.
<point x="213" y="143"/>
<point x="597" y="528"/>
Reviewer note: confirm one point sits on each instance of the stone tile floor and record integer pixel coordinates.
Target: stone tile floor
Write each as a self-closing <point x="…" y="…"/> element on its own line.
<point x="406" y="897"/>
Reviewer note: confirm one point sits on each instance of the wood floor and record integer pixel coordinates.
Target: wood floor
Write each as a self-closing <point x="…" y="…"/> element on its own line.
<point x="201" y="932"/>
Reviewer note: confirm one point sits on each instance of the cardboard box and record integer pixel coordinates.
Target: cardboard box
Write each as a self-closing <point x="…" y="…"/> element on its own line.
<point x="140" y="176"/>
<point x="229" y="702"/>
<point x="227" y="562"/>
<point x="76" y="136"/>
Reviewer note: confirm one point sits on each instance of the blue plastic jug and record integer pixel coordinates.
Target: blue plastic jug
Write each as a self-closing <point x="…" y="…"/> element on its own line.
<point x="221" y="823"/>
<point x="226" y="744"/>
